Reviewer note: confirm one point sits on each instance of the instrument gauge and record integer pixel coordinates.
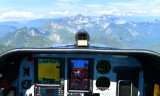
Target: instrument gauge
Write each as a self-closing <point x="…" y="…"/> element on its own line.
<point x="103" y="66"/>
<point x="102" y="83"/>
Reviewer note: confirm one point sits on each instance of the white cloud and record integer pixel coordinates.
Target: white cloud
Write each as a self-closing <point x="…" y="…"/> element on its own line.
<point x="94" y="5"/>
<point x="17" y="15"/>
<point x="108" y="12"/>
<point x="151" y="12"/>
<point x="156" y="11"/>
<point x="139" y="12"/>
<point x="134" y="12"/>
<point x="62" y="4"/>
<point x="59" y="12"/>
<point x="138" y="7"/>
<point x="126" y="4"/>
<point x="69" y="1"/>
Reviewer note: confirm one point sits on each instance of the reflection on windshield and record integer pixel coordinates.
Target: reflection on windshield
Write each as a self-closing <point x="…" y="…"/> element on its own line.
<point x="125" y="24"/>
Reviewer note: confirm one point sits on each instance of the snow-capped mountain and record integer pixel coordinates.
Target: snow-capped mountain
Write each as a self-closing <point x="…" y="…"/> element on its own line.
<point x="106" y="30"/>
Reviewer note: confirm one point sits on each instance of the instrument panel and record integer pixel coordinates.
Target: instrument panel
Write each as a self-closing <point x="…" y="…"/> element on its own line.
<point x="76" y="75"/>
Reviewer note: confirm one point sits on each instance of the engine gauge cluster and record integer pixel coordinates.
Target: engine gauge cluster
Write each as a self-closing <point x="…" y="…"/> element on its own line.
<point x="102" y="82"/>
<point x="103" y="66"/>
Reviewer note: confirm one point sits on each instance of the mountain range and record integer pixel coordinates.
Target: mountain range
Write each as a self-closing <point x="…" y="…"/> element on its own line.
<point x="104" y="30"/>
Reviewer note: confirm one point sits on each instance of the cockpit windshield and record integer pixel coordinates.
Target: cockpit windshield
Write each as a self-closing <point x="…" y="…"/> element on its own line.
<point x="123" y="24"/>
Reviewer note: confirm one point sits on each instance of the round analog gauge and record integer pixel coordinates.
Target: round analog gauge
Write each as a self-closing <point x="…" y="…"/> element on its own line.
<point x="103" y="66"/>
<point x="26" y="84"/>
<point x="103" y="83"/>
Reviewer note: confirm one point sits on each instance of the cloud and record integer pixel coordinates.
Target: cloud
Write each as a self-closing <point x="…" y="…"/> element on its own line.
<point x="133" y="12"/>
<point x="59" y="12"/>
<point x="18" y="15"/>
<point x="66" y="1"/>
<point x="62" y="4"/>
<point x="151" y="12"/>
<point x="144" y="8"/>
<point x="109" y="12"/>
<point x="126" y="4"/>
<point x="94" y="5"/>
<point x="155" y="11"/>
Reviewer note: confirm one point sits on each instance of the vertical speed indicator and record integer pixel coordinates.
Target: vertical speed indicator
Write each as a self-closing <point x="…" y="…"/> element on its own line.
<point x="103" y="66"/>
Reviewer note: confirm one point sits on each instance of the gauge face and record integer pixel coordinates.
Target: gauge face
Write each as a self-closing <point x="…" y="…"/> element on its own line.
<point x="103" y="83"/>
<point x="103" y="66"/>
<point x="26" y="84"/>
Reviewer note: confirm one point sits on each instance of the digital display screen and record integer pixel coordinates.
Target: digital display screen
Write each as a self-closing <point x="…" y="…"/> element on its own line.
<point x="47" y="91"/>
<point x="79" y="74"/>
<point x="48" y="70"/>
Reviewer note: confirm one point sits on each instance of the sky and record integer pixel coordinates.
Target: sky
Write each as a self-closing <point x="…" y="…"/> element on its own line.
<point x="36" y="9"/>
